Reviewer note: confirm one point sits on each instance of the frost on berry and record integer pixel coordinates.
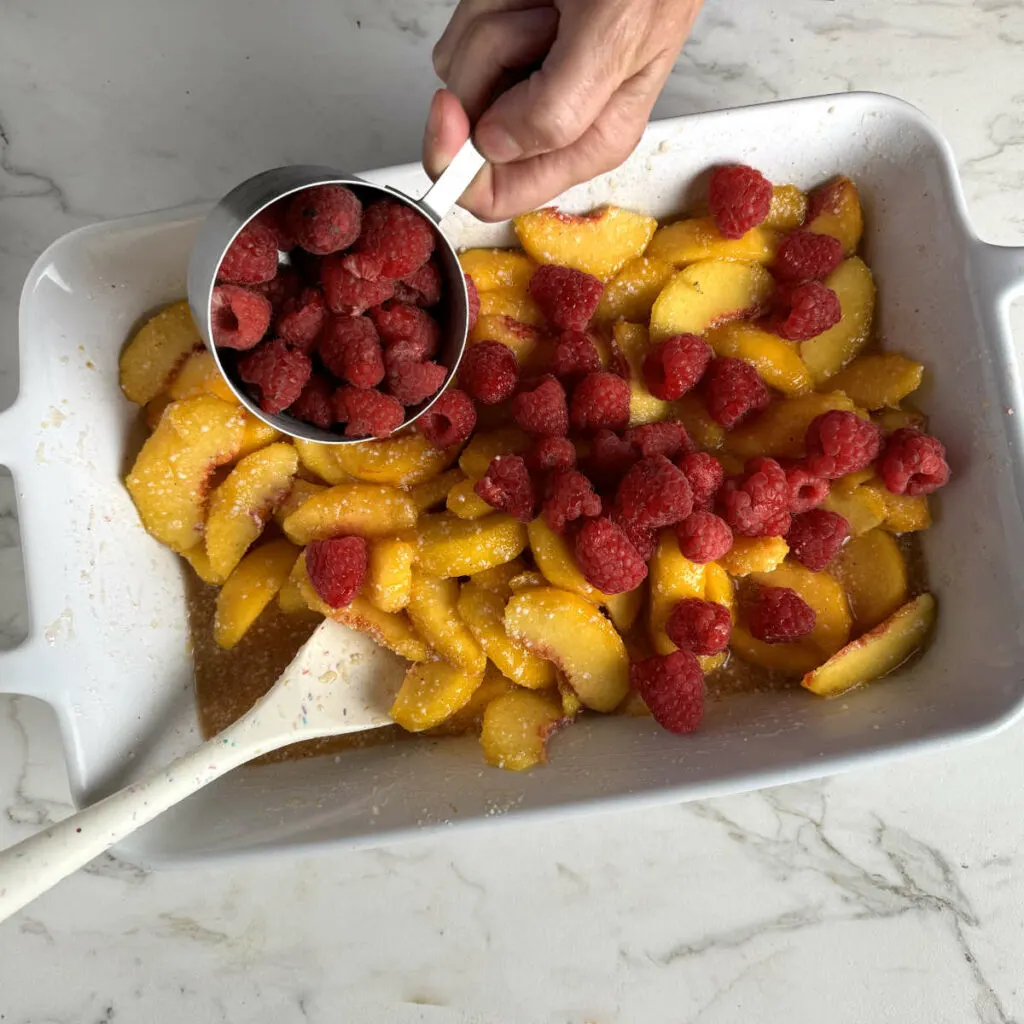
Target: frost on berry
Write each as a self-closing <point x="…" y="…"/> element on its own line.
<point x="733" y="390"/>
<point x="643" y="538"/>
<point x="279" y="374"/>
<point x="778" y="615"/>
<point x="314" y="405"/>
<point x="654" y="493"/>
<point x="756" y="503"/>
<point x="705" y="474"/>
<point x="399" y="236"/>
<point x="810" y="309"/>
<point x="913" y="463"/>
<point x="806" y="256"/>
<point x="672" y="686"/>
<point x="238" y="317"/>
<point x="398" y="321"/>
<point x="350" y="349"/>
<point x="606" y="557"/>
<point x="739" y="198"/>
<point x="347" y="291"/>
<point x="252" y="256"/>
<point x="565" y="296"/>
<point x="574" y="356"/>
<point x="542" y="410"/>
<point x="704" y="537"/>
<point x="489" y="372"/>
<point x="702" y="627"/>
<point x="600" y="400"/>
<point x="507" y="487"/>
<point x="300" y="320"/>
<point x="675" y="366"/>
<point x="547" y="454"/>
<point x="669" y="439"/>
<point x="568" y="495"/>
<point x="412" y="382"/>
<point x="816" y="536"/>
<point x="324" y="219"/>
<point x="367" y="413"/>
<point x="450" y="420"/>
<point x="337" y="568"/>
<point x="840" y="442"/>
<point x="422" y="287"/>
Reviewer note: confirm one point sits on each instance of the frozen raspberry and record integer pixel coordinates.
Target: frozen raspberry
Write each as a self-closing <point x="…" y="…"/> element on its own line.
<point x="705" y="475"/>
<point x="252" y="256"/>
<point x="401" y="237"/>
<point x="314" y="405"/>
<point x="778" y="615"/>
<point x="285" y="285"/>
<point x="542" y="411"/>
<point x="238" y="317"/>
<point x="704" y="537"/>
<point x="913" y="463"/>
<point x="350" y="349"/>
<point x="565" y="296"/>
<point x="367" y="412"/>
<point x="806" y="490"/>
<point x="274" y="218"/>
<point x="654" y="493"/>
<point x="472" y="302"/>
<point x="279" y="372"/>
<point x="815" y="537"/>
<point x="675" y="365"/>
<point x="606" y="557"/>
<point x="672" y="686"/>
<point x="810" y="309"/>
<point x="450" y="420"/>
<point x="610" y="458"/>
<point x="668" y="439"/>
<point x="348" y="292"/>
<point x="547" y="454"/>
<point x="300" y="320"/>
<point x="643" y="538"/>
<point x="398" y="321"/>
<point x="574" y="356"/>
<point x="507" y="487"/>
<point x="702" y="627"/>
<point x="756" y="503"/>
<point x="600" y="400"/>
<point x="412" y="382"/>
<point x="568" y="495"/>
<point x="489" y="372"/>
<point x="840" y="442"/>
<point x="806" y="256"/>
<point x="324" y="219"/>
<point x="422" y="287"/>
<point x="733" y="390"/>
<point x="739" y="198"/>
<point x="337" y="568"/>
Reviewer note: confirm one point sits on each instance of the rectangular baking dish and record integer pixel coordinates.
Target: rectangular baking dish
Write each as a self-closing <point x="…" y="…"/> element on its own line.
<point x="108" y="644"/>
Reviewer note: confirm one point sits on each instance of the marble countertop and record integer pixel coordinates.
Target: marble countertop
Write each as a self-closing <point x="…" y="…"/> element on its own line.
<point x="889" y="894"/>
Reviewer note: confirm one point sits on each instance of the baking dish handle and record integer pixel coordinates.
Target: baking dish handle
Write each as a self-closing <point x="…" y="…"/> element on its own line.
<point x="1001" y="270"/>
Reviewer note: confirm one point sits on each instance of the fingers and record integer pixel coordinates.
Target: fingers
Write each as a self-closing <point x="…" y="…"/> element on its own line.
<point x="447" y="129"/>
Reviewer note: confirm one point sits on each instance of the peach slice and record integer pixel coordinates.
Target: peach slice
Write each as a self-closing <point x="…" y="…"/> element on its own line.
<point x="693" y="414"/>
<point x="879" y="380"/>
<point x="486" y="445"/>
<point x="434" y="491"/>
<point x="873" y="574"/>
<point x="903" y="513"/>
<point x="777" y="361"/>
<point x="252" y="585"/>
<point x="709" y="293"/>
<point x="568" y="630"/>
<point x="689" y="241"/>
<point x="513" y="305"/>
<point x="877" y="653"/>
<point x="256" y="435"/>
<point x="402" y="461"/>
<point x="788" y="210"/>
<point x="572" y="706"/>
<point x="840" y="214"/>
<point x="155" y="352"/>
<point x="170" y="478"/>
<point x="598" y="243"/>
<point x="633" y="342"/>
<point x="526" y="579"/>
<point x="492" y="269"/>
<point x="889" y="420"/>
<point x="499" y="579"/>
<point x="780" y="430"/>
<point x="301" y="491"/>
<point x="290" y="598"/>
<point x="367" y="510"/>
<point x="461" y="547"/>
<point x="829" y="352"/>
<point x="754" y="554"/>
<point x="555" y="560"/>
<point x="631" y="293"/>
<point x="433" y="610"/>
<point x="154" y="409"/>
<point x="200" y="562"/>
<point x="431" y="692"/>
<point x="470" y="717"/>
<point x="320" y="460"/>
<point x="199" y="376"/>
<point x="464" y="502"/>
<point x="624" y="609"/>
<point x="718" y="587"/>
<point x="516" y="729"/>
<point x="862" y="507"/>
<point x="388" y="583"/>
<point x="523" y="339"/>
<point x="671" y="578"/>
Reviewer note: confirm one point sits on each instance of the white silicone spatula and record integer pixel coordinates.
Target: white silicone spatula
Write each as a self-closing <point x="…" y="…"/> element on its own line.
<point x="340" y="682"/>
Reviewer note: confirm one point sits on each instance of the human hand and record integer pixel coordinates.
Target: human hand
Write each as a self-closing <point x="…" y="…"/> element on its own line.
<point x="602" y="64"/>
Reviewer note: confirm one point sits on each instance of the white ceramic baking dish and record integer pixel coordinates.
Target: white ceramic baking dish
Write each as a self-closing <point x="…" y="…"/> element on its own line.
<point x="108" y="646"/>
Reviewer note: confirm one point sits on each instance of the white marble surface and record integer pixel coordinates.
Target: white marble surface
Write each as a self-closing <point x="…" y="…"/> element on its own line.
<point x="891" y="894"/>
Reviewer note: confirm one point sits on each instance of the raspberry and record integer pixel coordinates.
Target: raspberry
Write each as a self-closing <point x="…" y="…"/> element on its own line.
<point x="840" y="442"/>
<point x="565" y="296"/>
<point x="324" y="219"/>
<point x="606" y="557"/>
<point x="314" y="405"/>
<point x="913" y="463"/>
<point x="739" y="198"/>
<point x="643" y="538"/>
<point x="489" y="372"/>
<point x="573" y="356"/>
<point x="600" y="400"/>
<point x="422" y="287"/>
<point x="610" y="458"/>
<point x="337" y="568"/>
<point x="806" y="490"/>
<point x="676" y="365"/>
<point x="702" y="627"/>
<point x="705" y="474"/>
<point x="274" y="218"/>
<point x="733" y="390"/>
<point x="238" y="317"/>
<point x="672" y="686"/>
<point x="401" y="237"/>
<point x="778" y="615"/>
<point x="472" y="301"/>
<point x="547" y="454"/>
<point x="252" y="256"/>
<point x="815" y="537"/>
<point x="568" y="495"/>
<point x="668" y="439"/>
<point x="300" y="320"/>
<point x="347" y="291"/>
<point x="285" y="285"/>
<point x="543" y="410"/>
<point x="279" y="372"/>
<point x="412" y="382"/>
<point x="350" y="349"/>
<point x="450" y="420"/>
<point x="810" y="309"/>
<point x="368" y="413"/>
<point x="756" y="503"/>
<point x="398" y="321"/>
<point x="704" y="537"/>
<point x="806" y="256"/>
<point x="654" y="493"/>
<point x="507" y="487"/>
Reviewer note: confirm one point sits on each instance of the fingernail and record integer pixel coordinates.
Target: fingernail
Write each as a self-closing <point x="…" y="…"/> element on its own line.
<point x="497" y="144"/>
<point x="435" y="117"/>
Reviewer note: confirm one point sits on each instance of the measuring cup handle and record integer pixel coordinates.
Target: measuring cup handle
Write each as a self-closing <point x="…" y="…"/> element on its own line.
<point x="456" y="178"/>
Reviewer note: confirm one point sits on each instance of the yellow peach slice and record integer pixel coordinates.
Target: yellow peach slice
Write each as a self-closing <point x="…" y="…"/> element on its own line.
<point x="782" y="427"/>
<point x="513" y="305"/>
<point x="862" y="507"/>
<point x="693" y="414"/>
<point x="903" y="513"/>
<point x="516" y="729"/>
<point x="319" y="460"/>
<point x="631" y="293"/>
<point x="556" y="561"/>
<point x="880" y="380"/>
<point x="256" y="435"/>
<point x="689" y="241"/>
<point x="523" y="339"/>
<point x="402" y="461"/>
<point x="250" y="588"/>
<point x="434" y="491"/>
<point x="873" y="574"/>
<point x="633" y="342"/>
<point x="624" y="609"/>
<point x="433" y="610"/>
<point x="499" y="579"/>
<point x="572" y="706"/>
<point x="487" y="445"/>
<point x="199" y="376"/>
<point x="464" y="502"/>
<point x="431" y="692"/>
<point x="877" y="653"/>
<point x="788" y="210"/>
<point x="154" y="409"/>
<point x="200" y="562"/>
<point x="709" y="293"/>
<point x="290" y="598"/>
<point x="754" y="554"/>
<point x="156" y="351"/>
<point x="461" y="547"/>
<point x="672" y="577"/>
<point x="568" y="630"/>
<point x="492" y="269"/>
<point x="470" y="717"/>
<point x="840" y="214"/>
<point x="889" y="420"/>
<point x="301" y="491"/>
<point x="526" y="579"/>
<point x="718" y="587"/>
<point x="388" y="583"/>
<point x="366" y="510"/>
<point x="777" y="361"/>
<point x="598" y="243"/>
